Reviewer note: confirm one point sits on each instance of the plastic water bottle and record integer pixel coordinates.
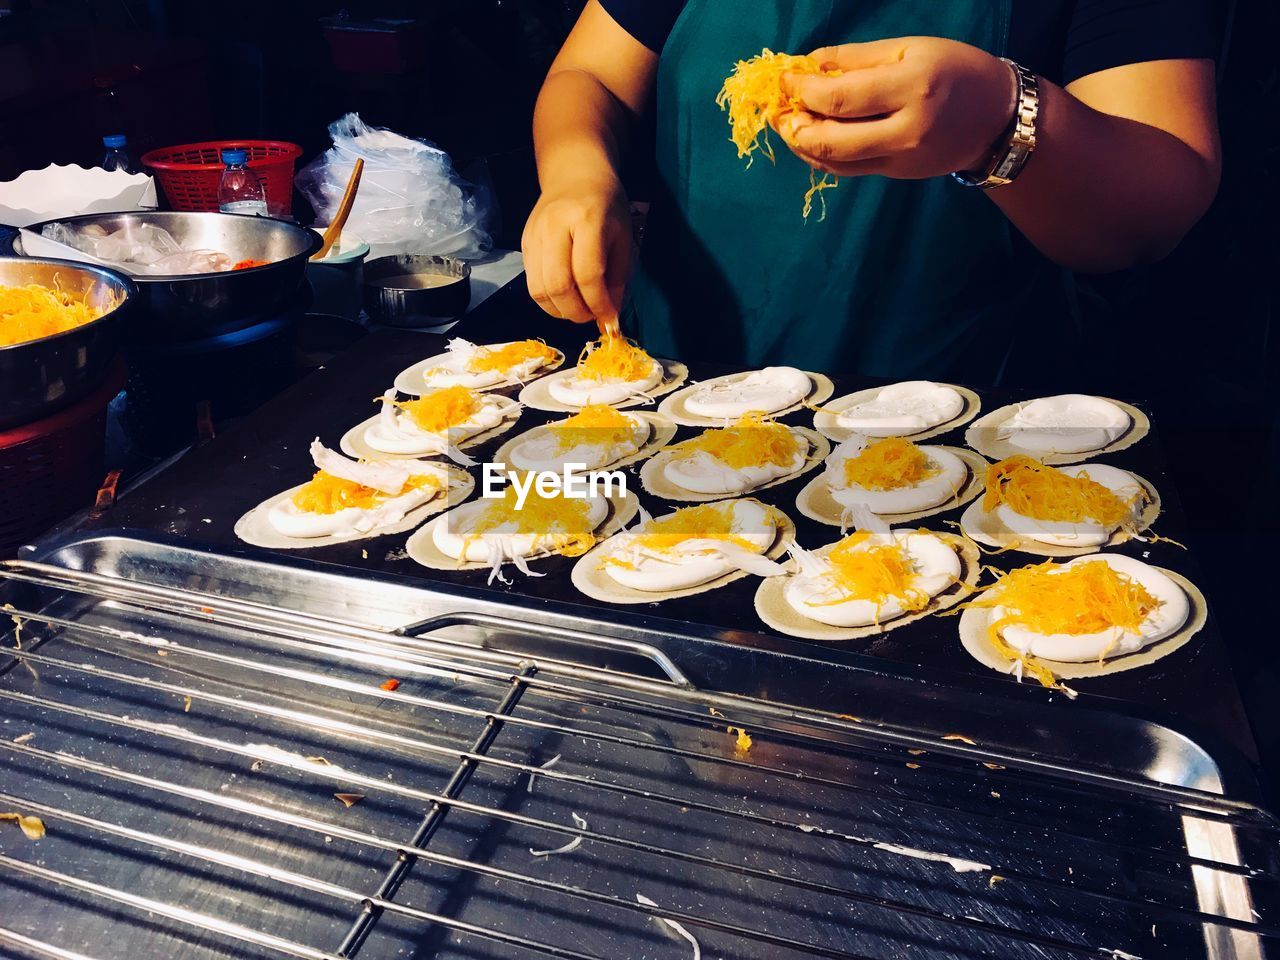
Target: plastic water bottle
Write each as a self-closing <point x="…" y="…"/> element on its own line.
<point x="240" y="191"/>
<point x="117" y="155"/>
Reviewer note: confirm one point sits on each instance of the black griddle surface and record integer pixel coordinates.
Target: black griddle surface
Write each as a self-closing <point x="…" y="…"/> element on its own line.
<point x="204" y="494"/>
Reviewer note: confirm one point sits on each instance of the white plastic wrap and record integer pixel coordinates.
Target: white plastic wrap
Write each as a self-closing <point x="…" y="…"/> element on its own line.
<point x="410" y="200"/>
<point x="144" y="250"/>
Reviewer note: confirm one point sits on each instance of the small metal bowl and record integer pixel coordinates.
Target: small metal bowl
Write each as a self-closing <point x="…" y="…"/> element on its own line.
<point x="396" y="290"/>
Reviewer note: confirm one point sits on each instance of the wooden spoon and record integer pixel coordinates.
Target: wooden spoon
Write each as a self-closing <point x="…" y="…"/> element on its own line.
<point x="334" y="230"/>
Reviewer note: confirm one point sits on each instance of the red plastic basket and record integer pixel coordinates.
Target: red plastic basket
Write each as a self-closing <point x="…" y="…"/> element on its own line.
<point x="51" y="468"/>
<point x="189" y="173"/>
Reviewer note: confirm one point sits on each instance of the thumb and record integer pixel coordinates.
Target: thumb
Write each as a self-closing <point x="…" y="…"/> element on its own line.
<point x="857" y="56"/>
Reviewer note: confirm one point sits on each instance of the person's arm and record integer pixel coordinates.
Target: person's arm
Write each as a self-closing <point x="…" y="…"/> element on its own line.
<point x="577" y="242"/>
<point x="1126" y="160"/>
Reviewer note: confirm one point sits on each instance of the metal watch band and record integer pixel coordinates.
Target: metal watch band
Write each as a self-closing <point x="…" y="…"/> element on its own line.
<point x="1012" y="156"/>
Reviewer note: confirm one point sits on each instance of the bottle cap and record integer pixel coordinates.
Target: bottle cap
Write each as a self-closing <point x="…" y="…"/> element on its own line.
<point x="235" y="155"/>
<point x="115" y="141"/>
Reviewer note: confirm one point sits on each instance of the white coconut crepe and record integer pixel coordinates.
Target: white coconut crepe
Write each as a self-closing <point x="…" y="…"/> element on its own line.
<point x="1069" y="423"/>
<point x="457" y="537"/>
<point x="700" y="472"/>
<point x="1166" y="619"/>
<point x="579" y="391"/>
<point x="902" y="409"/>
<point x="764" y="391"/>
<point x="1088" y="533"/>
<point x="694" y="561"/>
<point x="539" y="449"/>
<point x="951" y="474"/>
<point x="395" y="431"/>
<point x="811" y="592"/>
<point x="389" y="478"/>
<point x="450" y="368"/>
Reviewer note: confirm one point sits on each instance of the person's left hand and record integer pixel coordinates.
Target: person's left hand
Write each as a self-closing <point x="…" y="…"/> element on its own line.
<point x="909" y="108"/>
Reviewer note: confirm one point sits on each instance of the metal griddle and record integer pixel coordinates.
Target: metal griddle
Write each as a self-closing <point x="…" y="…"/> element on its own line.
<point x="193" y="715"/>
<point x="203" y="495"/>
<point x="897" y="800"/>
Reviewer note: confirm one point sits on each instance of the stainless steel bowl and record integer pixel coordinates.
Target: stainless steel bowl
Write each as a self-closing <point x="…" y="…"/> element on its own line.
<point x="394" y="294"/>
<point x="40" y="377"/>
<point x="200" y="305"/>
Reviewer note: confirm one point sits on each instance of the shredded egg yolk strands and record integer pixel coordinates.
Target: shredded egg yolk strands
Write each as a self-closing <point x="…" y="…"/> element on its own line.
<point x="613" y="358"/>
<point x="504" y="358"/>
<point x="753" y="97"/>
<point x="1032" y="489"/>
<point x="1047" y="599"/>
<point x="596" y="425"/>
<point x="559" y="521"/>
<point x="707" y="522"/>
<point x="439" y="410"/>
<point x="752" y="441"/>
<point x="33" y="312"/>
<point x="888" y="464"/>
<point x="877" y="573"/>
<point x="327" y="494"/>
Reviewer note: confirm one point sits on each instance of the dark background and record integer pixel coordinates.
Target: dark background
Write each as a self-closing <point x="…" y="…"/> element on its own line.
<point x="1191" y="336"/>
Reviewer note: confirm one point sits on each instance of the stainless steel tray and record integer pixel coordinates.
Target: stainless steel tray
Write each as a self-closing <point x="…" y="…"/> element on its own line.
<point x="193" y="713"/>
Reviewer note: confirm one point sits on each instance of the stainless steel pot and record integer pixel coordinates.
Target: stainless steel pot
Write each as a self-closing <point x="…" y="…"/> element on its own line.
<point x="394" y="293"/>
<point x="195" y="306"/>
<point x="40" y="377"/>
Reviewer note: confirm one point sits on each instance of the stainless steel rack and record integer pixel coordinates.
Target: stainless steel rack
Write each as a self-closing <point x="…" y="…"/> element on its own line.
<point x="185" y="744"/>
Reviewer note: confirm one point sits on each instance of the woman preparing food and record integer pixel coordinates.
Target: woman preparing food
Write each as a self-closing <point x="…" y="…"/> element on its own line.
<point x="1093" y="146"/>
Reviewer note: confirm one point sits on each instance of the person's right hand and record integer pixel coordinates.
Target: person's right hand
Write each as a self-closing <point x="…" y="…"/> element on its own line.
<point x="577" y="250"/>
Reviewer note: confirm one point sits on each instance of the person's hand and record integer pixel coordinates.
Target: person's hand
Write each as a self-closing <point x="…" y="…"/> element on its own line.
<point x="909" y="108"/>
<point x="577" y="250"/>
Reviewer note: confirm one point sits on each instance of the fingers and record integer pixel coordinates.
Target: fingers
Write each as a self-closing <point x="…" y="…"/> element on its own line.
<point x="560" y="296"/>
<point x="859" y="56"/>
<point x="869" y="92"/>
<point x="619" y="263"/>
<point x="590" y="271"/>
<point x="825" y="143"/>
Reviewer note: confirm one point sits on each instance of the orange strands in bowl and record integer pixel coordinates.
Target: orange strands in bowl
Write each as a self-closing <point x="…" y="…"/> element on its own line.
<point x="888" y="464"/>
<point x="614" y="359"/>
<point x="1032" y="489"/>
<point x="752" y="441"/>
<point x="33" y="312"/>
<point x="441" y="409"/>
<point x="754" y="98"/>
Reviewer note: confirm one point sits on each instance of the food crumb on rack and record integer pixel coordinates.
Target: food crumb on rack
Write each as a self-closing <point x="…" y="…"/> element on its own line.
<point x="33" y="827"/>
<point x="390" y="684"/>
<point x="546" y="766"/>
<point x="186" y="704"/>
<point x="25" y="737"/>
<point x="17" y="625"/>
<point x="569" y="847"/>
<point x="349" y="799"/>
<point x="960" y="737"/>
<point x="678" y="928"/>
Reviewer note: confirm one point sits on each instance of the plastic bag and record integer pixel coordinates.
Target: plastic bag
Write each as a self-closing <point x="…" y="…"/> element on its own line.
<point x="142" y="249"/>
<point x="410" y="198"/>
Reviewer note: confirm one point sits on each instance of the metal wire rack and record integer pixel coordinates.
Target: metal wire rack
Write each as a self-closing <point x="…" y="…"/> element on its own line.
<point x="222" y="777"/>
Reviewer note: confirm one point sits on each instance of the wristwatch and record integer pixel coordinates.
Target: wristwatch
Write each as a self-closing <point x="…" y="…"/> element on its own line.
<point x="1018" y="142"/>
